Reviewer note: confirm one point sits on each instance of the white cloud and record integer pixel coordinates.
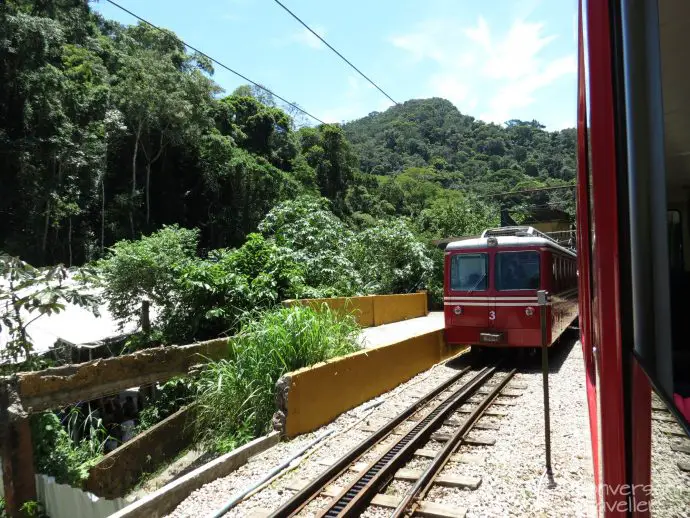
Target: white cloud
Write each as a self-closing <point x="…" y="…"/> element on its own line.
<point x="504" y="71"/>
<point x="307" y="38"/>
<point x="449" y="86"/>
<point x="355" y="97"/>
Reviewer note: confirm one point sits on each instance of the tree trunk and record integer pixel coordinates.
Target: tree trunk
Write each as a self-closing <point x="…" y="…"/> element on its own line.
<point x="134" y="178"/>
<point x="148" y="193"/>
<point x="148" y="175"/>
<point x="105" y="168"/>
<point x="69" y="240"/>
<point x="102" y="215"/>
<point x="46" y="226"/>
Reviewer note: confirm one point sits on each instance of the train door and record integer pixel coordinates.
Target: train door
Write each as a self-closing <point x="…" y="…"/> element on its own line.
<point x="492" y="314"/>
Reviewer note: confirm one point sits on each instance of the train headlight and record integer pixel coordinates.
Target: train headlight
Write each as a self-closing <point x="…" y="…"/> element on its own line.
<point x="529" y="311"/>
<point x="457" y="310"/>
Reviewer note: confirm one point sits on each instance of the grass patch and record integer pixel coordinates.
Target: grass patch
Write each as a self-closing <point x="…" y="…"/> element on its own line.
<point x="236" y="396"/>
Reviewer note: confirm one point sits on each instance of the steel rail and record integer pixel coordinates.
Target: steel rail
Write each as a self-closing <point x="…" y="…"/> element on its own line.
<point x="356" y="496"/>
<point x="412" y="499"/>
<point x="314" y="488"/>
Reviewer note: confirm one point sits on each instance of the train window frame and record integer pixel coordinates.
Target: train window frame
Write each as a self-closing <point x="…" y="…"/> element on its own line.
<point x="487" y="273"/>
<point x="497" y="269"/>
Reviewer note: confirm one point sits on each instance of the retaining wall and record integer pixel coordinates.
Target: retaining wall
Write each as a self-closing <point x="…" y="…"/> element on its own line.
<point x="121" y="469"/>
<point x="373" y="310"/>
<point x="314" y="396"/>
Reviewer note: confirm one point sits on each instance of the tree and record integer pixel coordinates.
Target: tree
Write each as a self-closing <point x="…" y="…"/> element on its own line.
<point x="164" y="96"/>
<point x="328" y="152"/>
<point x="137" y="274"/>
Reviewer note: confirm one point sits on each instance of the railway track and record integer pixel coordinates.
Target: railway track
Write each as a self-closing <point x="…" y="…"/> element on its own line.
<point x="395" y="450"/>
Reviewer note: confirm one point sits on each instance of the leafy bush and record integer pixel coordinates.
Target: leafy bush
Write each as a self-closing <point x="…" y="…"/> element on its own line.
<point x="390" y="258"/>
<point x="170" y="397"/>
<point x="57" y="455"/>
<point x="236" y="396"/>
<point x="145" y="269"/>
<point x="209" y="296"/>
<point x="32" y="509"/>
<point x="318" y="240"/>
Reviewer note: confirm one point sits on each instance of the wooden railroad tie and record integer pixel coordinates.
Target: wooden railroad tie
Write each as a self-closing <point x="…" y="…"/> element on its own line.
<point x="427" y="509"/>
<point x="665" y="417"/>
<point x="488" y="413"/>
<point x="684" y="466"/>
<point x="472" y="441"/>
<point x="682" y="447"/>
<point x="465" y="458"/>
<point x="411" y="475"/>
<point x="476" y="426"/>
<point x="507" y="393"/>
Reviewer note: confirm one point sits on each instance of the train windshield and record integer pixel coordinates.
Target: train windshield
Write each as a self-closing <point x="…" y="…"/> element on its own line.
<point x="469" y="272"/>
<point x="517" y="271"/>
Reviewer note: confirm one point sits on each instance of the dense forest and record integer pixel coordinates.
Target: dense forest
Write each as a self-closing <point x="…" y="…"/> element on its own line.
<point x="110" y="132"/>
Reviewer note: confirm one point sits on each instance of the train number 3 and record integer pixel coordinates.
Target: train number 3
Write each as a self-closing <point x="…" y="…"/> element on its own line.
<point x="492" y="315"/>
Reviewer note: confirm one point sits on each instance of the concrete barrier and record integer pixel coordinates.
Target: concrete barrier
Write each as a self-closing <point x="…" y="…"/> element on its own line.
<point x="373" y="310"/>
<point x="121" y="469"/>
<point x="394" y="308"/>
<point x="60" y="386"/>
<point x="314" y="396"/>
<point x="163" y="501"/>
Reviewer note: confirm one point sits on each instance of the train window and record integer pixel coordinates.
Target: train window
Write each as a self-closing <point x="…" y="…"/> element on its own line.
<point x="469" y="272"/>
<point x="675" y="241"/>
<point x="517" y="270"/>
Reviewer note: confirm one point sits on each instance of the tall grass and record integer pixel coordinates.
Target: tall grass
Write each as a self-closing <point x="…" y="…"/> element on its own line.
<point x="236" y="396"/>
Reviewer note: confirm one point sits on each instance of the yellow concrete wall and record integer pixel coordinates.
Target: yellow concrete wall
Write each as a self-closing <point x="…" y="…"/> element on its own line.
<point x="394" y="308"/>
<point x="373" y="310"/>
<point x="318" y="394"/>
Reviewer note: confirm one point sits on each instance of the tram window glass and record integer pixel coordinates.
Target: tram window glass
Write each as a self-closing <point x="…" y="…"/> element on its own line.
<point x="469" y="272"/>
<point x="675" y="241"/>
<point x="517" y="271"/>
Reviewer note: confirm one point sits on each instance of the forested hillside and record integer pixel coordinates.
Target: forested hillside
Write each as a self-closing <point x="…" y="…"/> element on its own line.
<point x="109" y="132"/>
<point x="466" y="153"/>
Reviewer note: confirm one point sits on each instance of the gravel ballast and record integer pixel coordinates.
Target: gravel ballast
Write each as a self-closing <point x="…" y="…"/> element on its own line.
<point x="512" y="470"/>
<point x="214" y="495"/>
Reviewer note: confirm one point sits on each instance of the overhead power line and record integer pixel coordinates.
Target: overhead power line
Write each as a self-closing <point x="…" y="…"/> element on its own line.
<point x="222" y="65"/>
<point x="571" y="186"/>
<point x="338" y="53"/>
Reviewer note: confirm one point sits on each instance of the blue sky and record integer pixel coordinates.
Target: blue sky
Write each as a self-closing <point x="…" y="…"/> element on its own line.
<point x="494" y="59"/>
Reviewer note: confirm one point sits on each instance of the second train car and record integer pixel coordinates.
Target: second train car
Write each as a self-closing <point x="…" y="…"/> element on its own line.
<point x="491" y="285"/>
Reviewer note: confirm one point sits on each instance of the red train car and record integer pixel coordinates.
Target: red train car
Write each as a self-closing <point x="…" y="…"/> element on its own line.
<point x="633" y="219"/>
<point x="491" y="284"/>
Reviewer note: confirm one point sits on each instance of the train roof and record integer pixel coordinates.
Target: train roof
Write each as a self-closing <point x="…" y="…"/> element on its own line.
<point x="509" y="237"/>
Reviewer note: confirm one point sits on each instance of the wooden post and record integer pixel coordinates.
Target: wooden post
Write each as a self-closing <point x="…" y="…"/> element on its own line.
<point x="145" y="317"/>
<point x="16" y="449"/>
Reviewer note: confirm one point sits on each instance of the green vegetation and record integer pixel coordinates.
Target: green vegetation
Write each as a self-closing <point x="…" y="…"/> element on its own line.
<point x="236" y="396"/>
<point x="170" y="397"/>
<point x="56" y="454"/>
<point x="111" y="132"/>
<point x="459" y="152"/>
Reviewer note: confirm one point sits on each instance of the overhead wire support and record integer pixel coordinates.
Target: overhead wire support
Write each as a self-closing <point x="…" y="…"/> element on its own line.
<point x="338" y="53"/>
<point x="222" y="65"/>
